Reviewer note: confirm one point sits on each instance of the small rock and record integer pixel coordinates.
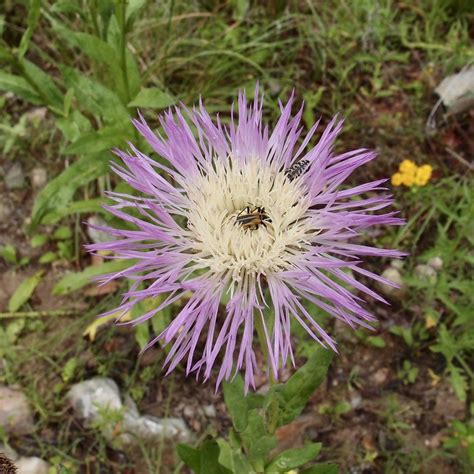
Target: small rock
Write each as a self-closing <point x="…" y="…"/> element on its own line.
<point x="425" y="272"/>
<point x="152" y="428"/>
<point x="97" y="236"/>
<point x="396" y="263"/>
<point x="36" y="115"/>
<point x="32" y="466"/>
<point x="16" y="416"/>
<point x="393" y="275"/>
<point x="39" y="177"/>
<point x="15" y="178"/>
<point x="5" y="211"/>
<point x="209" y="411"/>
<point x="91" y="397"/>
<point x="188" y="411"/>
<point x="436" y="263"/>
<point x="356" y="400"/>
<point x="380" y="376"/>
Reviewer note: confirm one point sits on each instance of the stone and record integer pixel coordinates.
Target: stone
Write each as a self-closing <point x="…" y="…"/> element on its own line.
<point x="392" y="274"/>
<point x="397" y="263"/>
<point x="32" y="465"/>
<point x="16" y="417"/>
<point x="210" y="411"/>
<point x="15" y="178"/>
<point x="93" y="396"/>
<point x="39" y="177"/>
<point x="436" y="263"/>
<point x="9" y="452"/>
<point x="97" y="401"/>
<point x="97" y="236"/>
<point x="425" y="272"/>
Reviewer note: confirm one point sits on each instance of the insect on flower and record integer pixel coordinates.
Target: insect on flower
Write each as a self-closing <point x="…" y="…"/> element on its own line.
<point x="208" y="174"/>
<point x="297" y="169"/>
<point x="253" y="218"/>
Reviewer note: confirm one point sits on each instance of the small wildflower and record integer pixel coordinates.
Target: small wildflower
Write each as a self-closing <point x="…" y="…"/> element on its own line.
<point x="410" y="174"/>
<point x="397" y="179"/>
<point x="407" y="167"/>
<point x="220" y="216"/>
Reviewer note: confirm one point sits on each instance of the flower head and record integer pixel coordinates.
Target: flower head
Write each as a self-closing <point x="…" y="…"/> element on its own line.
<point x="251" y="215"/>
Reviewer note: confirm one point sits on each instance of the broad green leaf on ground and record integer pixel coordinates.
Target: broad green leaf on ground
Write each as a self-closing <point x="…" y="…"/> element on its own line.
<point x="204" y="459"/>
<point x="74" y="281"/>
<point x="24" y="291"/>
<point x="55" y="196"/>
<point x="20" y="87"/>
<point x="152" y="97"/>
<point x="97" y="141"/>
<point x="293" y="458"/>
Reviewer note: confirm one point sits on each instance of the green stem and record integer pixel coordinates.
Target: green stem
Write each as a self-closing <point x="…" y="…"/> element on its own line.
<point x="38" y="314"/>
<point x="121" y="18"/>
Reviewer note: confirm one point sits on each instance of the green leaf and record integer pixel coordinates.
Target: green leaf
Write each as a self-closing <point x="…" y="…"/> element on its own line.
<point x="24" y="291"/>
<point x="323" y="468"/>
<point x="257" y="441"/>
<point x="232" y="459"/>
<point x="96" y="98"/>
<point x="458" y="382"/>
<point x="210" y="459"/>
<point x="62" y="233"/>
<point x="38" y="240"/>
<point x="8" y="253"/>
<point x="69" y="369"/>
<point x="44" y="83"/>
<point x="32" y="21"/>
<point x="75" y="281"/>
<point x="376" y="341"/>
<point x="190" y="456"/>
<point x="293" y="458"/>
<point x="90" y="206"/>
<point x="48" y="257"/>
<point x="299" y="388"/>
<point x="55" y="196"/>
<point x="152" y="97"/>
<point x="236" y="402"/>
<point x="98" y="141"/>
<point x="20" y="87"/>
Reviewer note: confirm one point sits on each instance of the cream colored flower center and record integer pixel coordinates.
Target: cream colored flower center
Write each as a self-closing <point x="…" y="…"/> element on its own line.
<point x="229" y="248"/>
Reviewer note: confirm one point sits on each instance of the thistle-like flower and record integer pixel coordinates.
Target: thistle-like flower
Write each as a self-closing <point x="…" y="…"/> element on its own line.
<point x="256" y="217"/>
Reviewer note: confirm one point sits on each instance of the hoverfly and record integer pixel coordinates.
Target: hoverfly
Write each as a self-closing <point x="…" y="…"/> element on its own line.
<point x="297" y="169"/>
<point x="253" y="217"/>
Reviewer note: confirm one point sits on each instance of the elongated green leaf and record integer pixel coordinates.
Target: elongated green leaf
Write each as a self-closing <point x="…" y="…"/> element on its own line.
<point x="297" y="390"/>
<point x="90" y="206"/>
<point x="152" y="97"/>
<point x="24" y="291"/>
<point x="209" y="459"/>
<point x="96" y="98"/>
<point x="55" y="196"/>
<point x="44" y="83"/>
<point x="75" y="281"/>
<point x="97" y="141"/>
<point x="19" y="86"/>
<point x="32" y="21"/>
<point x="293" y="458"/>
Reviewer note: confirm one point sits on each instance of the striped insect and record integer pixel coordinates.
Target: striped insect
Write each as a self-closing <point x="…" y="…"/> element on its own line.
<point x="296" y="169"/>
<point x="253" y="218"/>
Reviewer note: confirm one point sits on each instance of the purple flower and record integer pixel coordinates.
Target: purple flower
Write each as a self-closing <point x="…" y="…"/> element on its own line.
<point x="251" y="215"/>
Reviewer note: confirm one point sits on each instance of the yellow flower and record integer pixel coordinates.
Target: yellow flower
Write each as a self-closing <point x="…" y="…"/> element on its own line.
<point x="397" y="179"/>
<point x="408" y="179"/>
<point x="407" y="167"/>
<point x="423" y="175"/>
